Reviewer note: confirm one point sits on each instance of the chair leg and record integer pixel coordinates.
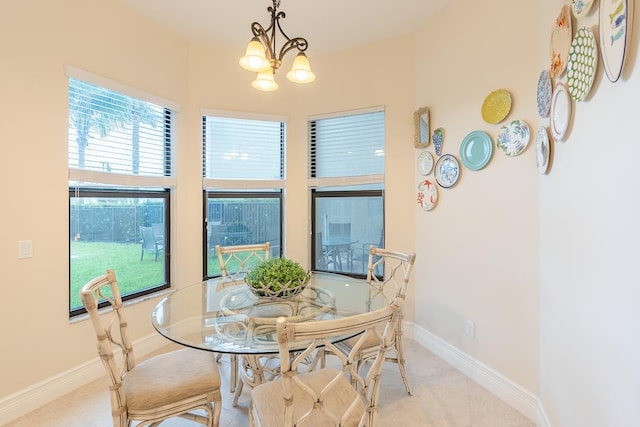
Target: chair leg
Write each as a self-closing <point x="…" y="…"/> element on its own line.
<point x="217" y="410"/>
<point x="400" y="354"/>
<point x="233" y="372"/>
<point x="238" y="392"/>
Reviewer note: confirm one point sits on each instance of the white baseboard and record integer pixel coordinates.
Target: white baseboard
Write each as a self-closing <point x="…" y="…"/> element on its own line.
<point x="24" y="401"/>
<point x="513" y="394"/>
<point x="541" y="416"/>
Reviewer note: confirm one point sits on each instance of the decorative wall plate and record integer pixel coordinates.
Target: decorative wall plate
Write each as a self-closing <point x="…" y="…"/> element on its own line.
<point x="447" y="171"/>
<point x="425" y="163"/>
<point x="580" y="8"/>
<point x="542" y="149"/>
<point x="560" y="111"/>
<point x="615" y="27"/>
<point x="427" y="194"/>
<point x="544" y="94"/>
<point x="496" y="106"/>
<point x="561" y="36"/>
<point x="475" y="150"/>
<point x="513" y="138"/>
<point x="583" y="60"/>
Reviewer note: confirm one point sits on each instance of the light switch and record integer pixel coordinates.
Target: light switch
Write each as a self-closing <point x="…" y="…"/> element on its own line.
<point x="25" y="249"/>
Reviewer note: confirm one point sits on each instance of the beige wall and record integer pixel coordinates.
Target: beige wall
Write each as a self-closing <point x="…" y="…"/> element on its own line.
<point x="589" y="245"/>
<point x="543" y="264"/>
<point x="478" y="249"/>
<point x="38" y="38"/>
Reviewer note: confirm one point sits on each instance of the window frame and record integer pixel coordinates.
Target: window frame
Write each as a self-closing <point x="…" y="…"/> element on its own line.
<point x="316" y="193"/>
<point x="341" y="186"/>
<point x="99" y="192"/>
<point x="241" y="188"/>
<point x="128" y="185"/>
<point x="222" y="194"/>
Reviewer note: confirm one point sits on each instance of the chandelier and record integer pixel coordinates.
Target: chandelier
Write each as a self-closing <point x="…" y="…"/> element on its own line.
<point x="262" y="56"/>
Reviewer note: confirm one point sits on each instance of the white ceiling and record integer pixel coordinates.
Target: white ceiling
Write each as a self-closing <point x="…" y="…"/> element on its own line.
<point x="328" y="25"/>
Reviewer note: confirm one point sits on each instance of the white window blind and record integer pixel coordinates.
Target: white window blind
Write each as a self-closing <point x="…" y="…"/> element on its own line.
<point x="238" y="148"/>
<point x="113" y="133"/>
<point x="347" y="146"/>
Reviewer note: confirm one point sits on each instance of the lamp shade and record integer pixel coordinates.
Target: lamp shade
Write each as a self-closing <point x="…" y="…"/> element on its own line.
<point x="301" y="70"/>
<point x="254" y="58"/>
<point x="265" y="81"/>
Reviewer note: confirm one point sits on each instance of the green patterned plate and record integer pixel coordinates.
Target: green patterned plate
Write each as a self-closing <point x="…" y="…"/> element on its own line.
<point x="513" y="138"/>
<point x="581" y="67"/>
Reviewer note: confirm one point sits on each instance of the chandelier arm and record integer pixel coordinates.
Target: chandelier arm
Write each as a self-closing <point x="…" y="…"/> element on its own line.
<point x="296" y="43"/>
<point x="258" y="31"/>
<point x="299" y="43"/>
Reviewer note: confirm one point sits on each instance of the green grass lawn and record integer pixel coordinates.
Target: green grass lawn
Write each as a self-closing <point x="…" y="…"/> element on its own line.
<point x="91" y="259"/>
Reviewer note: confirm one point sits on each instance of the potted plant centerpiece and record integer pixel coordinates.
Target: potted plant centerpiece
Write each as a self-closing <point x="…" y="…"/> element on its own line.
<point x="277" y="278"/>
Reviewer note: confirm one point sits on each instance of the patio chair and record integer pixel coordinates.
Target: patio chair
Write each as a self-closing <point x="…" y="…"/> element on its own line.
<point x="339" y="230"/>
<point x="169" y="385"/>
<point x="338" y="243"/>
<point x="340" y="395"/>
<point x="235" y="262"/>
<point x="397" y="267"/>
<point x="149" y="242"/>
<point x="360" y="252"/>
<point x="158" y="231"/>
<point x="323" y="258"/>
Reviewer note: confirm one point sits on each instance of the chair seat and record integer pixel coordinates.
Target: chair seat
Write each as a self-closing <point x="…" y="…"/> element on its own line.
<point x="268" y="402"/>
<point x="167" y="379"/>
<point x="369" y="344"/>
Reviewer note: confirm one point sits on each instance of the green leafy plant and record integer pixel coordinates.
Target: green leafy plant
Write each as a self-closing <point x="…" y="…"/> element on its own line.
<point x="275" y="276"/>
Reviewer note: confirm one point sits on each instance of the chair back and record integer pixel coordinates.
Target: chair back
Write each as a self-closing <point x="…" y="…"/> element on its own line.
<point x="158" y="231"/>
<point x="339" y="229"/>
<point x="237" y="261"/>
<point x="111" y="331"/>
<point x="148" y="239"/>
<point x="336" y="395"/>
<point x="390" y="269"/>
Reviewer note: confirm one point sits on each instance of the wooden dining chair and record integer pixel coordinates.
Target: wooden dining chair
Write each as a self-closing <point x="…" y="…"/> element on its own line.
<point x="388" y="272"/>
<point x="235" y="262"/>
<point x="336" y="395"/>
<point x="173" y="384"/>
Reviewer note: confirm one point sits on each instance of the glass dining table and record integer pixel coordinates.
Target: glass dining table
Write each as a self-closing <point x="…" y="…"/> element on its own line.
<point x="224" y="316"/>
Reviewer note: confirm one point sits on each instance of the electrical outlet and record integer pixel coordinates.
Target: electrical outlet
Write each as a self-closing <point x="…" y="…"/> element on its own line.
<point x="470" y="328"/>
<point x="25" y="249"/>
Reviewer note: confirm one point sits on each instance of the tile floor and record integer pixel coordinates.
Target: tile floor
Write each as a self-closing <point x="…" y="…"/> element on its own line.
<point x="443" y="397"/>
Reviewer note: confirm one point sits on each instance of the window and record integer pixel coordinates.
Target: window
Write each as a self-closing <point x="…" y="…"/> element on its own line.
<point x="120" y="175"/>
<point x="243" y="170"/>
<point x="346" y="175"/>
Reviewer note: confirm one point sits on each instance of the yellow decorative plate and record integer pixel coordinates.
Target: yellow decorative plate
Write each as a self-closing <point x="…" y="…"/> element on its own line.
<point x="496" y="106"/>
